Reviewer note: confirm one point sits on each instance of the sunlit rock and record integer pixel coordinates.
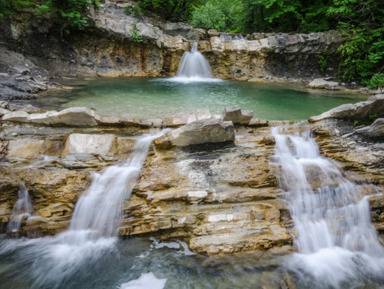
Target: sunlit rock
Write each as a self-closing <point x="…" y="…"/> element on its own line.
<point x="237" y="115"/>
<point x="324" y="84"/>
<point x="97" y="144"/>
<point x="198" y="132"/>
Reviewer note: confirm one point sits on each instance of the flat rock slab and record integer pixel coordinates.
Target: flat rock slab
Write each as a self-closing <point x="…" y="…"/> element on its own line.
<point x="98" y="144"/>
<point x="198" y="132"/>
<point x="74" y="116"/>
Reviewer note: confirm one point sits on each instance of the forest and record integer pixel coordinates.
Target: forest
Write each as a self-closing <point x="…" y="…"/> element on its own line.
<point x="361" y="57"/>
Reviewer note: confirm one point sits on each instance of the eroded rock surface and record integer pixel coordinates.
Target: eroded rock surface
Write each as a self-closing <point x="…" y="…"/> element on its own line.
<point x="221" y="201"/>
<point x="199" y="132"/>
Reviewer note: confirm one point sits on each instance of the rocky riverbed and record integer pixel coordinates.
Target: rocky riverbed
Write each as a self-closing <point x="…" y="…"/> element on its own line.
<point x="208" y="181"/>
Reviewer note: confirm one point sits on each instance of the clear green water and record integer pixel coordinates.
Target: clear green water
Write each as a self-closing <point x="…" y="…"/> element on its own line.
<point x="157" y="98"/>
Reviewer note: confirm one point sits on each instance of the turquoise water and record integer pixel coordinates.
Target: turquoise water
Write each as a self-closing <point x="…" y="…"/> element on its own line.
<point x="157" y="98"/>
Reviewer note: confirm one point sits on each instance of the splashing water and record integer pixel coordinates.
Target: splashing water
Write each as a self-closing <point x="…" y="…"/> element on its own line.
<point x="21" y="211"/>
<point x="193" y="66"/>
<point x="99" y="209"/>
<point x="52" y="261"/>
<point x="338" y="246"/>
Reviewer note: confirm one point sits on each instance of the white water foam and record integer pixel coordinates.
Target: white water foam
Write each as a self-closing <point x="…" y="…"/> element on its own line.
<point x="21" y="211"/>
<point x="193" y="66"/>
<point x="93" y="226"/>
<point x="100" y="206"/>
<point x="338" y="245"/>
<point x="146" y="281"/>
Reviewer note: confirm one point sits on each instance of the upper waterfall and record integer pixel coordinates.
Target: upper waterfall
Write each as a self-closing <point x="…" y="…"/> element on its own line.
<point x="194" y="65"/>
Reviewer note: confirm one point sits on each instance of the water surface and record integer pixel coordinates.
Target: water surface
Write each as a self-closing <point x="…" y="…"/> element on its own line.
<point x="157" y="98"/>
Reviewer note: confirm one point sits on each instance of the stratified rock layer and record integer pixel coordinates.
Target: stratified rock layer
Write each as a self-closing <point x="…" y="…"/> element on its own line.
<point x="218" y="199"/>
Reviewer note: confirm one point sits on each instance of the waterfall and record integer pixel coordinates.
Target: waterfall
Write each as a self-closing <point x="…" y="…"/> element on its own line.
<point x="337" y="244"/>
<point x="21" y="211"/>
<point x="99" y="209"/>
<point x="194" y="65"/>
<point x="52" y="261"/>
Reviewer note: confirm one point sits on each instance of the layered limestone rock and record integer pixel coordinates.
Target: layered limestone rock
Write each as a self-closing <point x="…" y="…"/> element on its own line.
<point x="211" y="131"/>
<point x="223" y="200"/>
<point x="125" y="45"/>
<point x="361" y="158"/>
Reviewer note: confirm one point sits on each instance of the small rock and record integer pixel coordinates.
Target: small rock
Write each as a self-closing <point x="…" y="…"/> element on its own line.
<point x="255" y="122"/>
<point x="196" y="196"/>
<point x="236" y="115"/>
<point x="324" y="84"/>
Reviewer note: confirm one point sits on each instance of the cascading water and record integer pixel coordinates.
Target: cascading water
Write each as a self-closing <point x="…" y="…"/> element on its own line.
<point x="50" y="262"/>
<point x="100" y="207"/>
<point x="21" y="211"/>
<point x="337" y="244"/>
<point x="194" y="65"/>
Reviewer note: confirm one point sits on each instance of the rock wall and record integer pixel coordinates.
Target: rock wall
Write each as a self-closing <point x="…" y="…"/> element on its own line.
<point x="120" y="45"/>
<point x="220" y="198"/>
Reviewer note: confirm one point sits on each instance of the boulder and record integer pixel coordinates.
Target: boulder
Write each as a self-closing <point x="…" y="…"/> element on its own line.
<point x="324" y="84"/>
<point x="95" y="144"/>
<point x="362" y="110"/>
<point x="198" y="132"/>
<point x="375" y="130"/>
<point x="185" y="118"/>
<point x="236" y="115"/>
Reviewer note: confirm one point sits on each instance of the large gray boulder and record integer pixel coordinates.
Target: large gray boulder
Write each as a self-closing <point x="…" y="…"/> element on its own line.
<point x="237" y="115"/>
<point x="362" y="110"/>
<point x="375" y="130"/>
<point x="198" y="132"/>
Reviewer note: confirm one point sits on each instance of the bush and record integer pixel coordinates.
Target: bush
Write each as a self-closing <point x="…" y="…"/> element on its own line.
<point x="71" y="13"/>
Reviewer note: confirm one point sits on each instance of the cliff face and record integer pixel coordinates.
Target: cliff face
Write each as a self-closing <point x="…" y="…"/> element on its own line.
<point x="121" y="45"/>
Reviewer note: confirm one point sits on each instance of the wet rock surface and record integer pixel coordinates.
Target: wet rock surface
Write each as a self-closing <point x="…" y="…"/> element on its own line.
<point x="219" y="200"/>
<point x="361" y="159"/>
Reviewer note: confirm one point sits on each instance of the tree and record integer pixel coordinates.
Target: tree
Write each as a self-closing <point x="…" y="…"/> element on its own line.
<point x="222" y="15"/>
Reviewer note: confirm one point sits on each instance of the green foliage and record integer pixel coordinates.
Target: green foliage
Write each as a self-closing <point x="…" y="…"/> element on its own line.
<point x="71" y="13"/>
<point x="285" y="16"/>
<point x="169" y="9"/>
<point x="8" y="7"/>
<point x="376" y="81"/>
<point x="134" y="33"/>
<point x="135" y="10"/>
<point x="362" y="56"/>
<point x="323" y="60"/>
<point x="222" y="15"/>
<point x="370" y="120"/>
